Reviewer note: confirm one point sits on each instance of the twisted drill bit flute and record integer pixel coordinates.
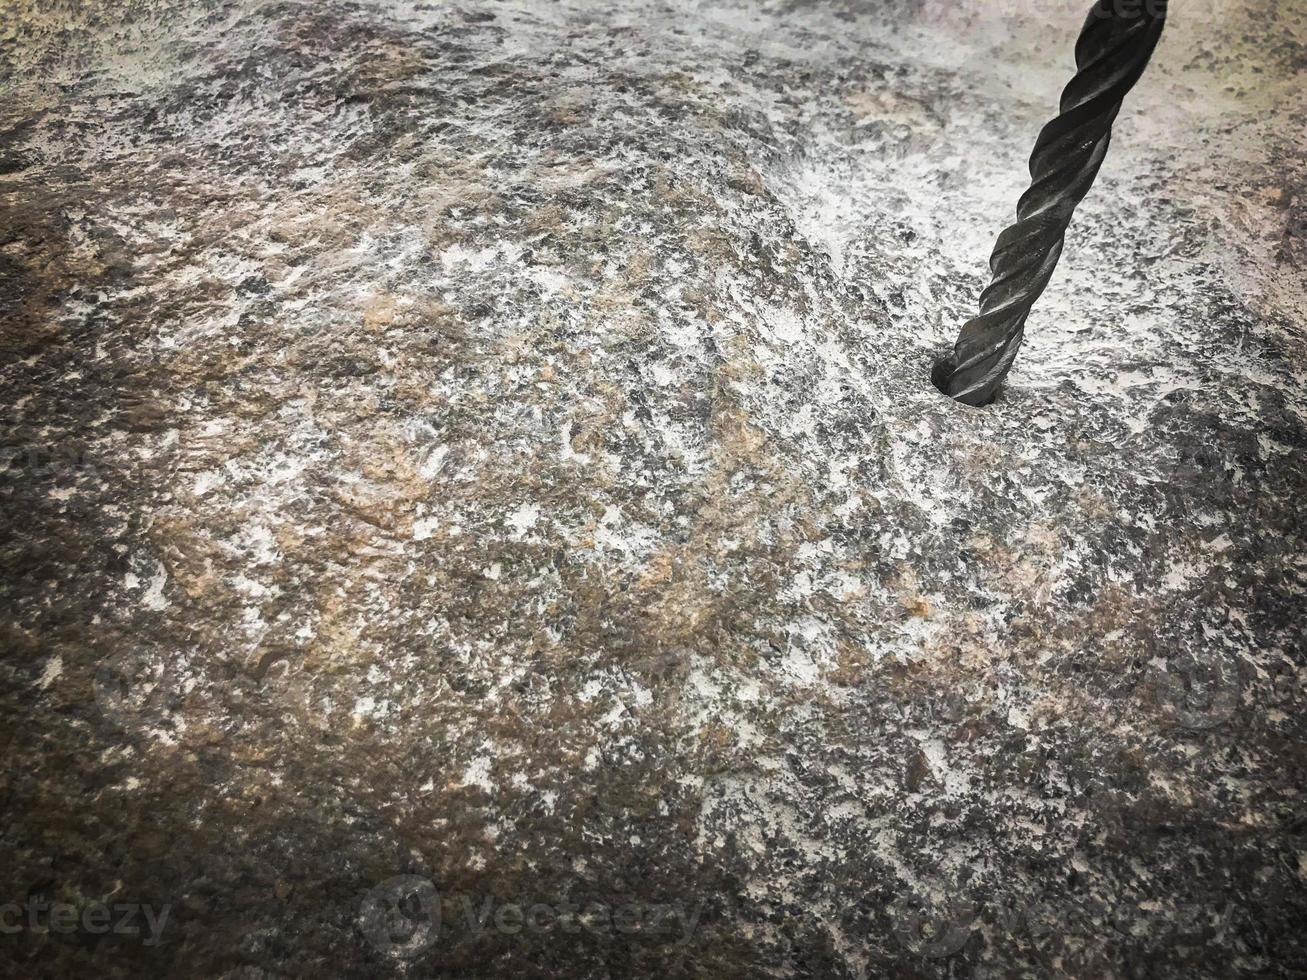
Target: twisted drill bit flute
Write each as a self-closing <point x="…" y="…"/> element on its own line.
<point x="1114" y="48"/>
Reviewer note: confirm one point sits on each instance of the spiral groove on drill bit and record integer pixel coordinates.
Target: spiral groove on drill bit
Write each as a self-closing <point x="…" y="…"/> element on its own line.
<point x="1111" y="54"/>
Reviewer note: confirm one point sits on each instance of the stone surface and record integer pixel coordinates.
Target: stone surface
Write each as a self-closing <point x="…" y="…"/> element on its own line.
<point x="491" y="443"/>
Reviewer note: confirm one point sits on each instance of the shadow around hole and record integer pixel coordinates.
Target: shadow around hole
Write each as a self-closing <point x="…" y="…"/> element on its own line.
<point x="940" y="375"/>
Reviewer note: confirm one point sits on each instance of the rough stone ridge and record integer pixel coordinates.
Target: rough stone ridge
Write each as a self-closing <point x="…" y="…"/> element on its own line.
<point x="492" y="442"/>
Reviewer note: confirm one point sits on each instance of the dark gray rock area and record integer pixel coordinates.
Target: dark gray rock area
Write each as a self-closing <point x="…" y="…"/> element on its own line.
<point x="474" y="503"/>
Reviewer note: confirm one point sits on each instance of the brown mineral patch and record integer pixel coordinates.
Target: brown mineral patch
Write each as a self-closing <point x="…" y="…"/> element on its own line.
<point x="917" y="606"/>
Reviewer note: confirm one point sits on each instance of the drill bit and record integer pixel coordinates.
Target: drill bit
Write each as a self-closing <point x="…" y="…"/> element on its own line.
<point x="1114" y="48"/>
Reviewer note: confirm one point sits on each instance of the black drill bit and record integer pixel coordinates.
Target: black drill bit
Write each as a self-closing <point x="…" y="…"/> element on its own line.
<point x="1114" y="47"/>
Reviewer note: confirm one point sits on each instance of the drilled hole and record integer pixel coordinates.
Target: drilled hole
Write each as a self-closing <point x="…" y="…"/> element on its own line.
<point x="939" y="376"/>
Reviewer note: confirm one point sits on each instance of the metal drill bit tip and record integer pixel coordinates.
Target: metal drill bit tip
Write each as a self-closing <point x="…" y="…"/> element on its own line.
<point x="1111" y="54"/>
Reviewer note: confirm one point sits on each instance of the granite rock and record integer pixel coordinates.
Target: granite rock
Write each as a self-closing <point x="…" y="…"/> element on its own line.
<point x="478" y="458"/>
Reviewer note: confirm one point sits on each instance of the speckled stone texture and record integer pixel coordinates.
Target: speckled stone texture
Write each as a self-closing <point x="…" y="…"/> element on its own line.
<point x="492" y="443"/>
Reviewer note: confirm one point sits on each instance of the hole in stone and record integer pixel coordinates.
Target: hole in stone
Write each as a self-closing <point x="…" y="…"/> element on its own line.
<point x="939" y="376"/>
